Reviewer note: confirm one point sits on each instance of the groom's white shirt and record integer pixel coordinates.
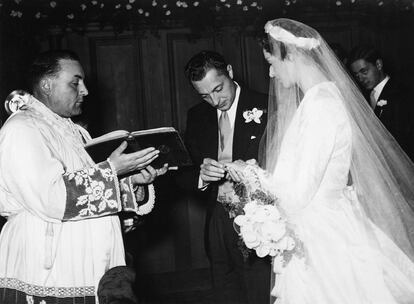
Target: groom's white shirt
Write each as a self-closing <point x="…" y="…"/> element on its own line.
<point x="379" y="87"/>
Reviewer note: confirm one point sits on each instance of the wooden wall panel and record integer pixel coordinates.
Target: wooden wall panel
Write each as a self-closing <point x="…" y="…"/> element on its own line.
<point x="181" y="47"/>
<point x="256" y="67"/>
<point x="116" y="63"/>
<point x="156" y="82"/>
<point x="228" y="43"/>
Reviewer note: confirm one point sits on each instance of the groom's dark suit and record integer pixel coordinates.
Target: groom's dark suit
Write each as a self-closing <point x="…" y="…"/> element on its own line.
<point x="235" y="280"/>
<point x="397" y="114"/>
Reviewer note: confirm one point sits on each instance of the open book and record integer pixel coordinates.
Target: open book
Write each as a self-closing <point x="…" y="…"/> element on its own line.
<point x="167" y="140"/>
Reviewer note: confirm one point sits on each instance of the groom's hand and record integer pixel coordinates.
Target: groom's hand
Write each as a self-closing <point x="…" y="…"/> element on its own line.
<point x="211" y="170"/>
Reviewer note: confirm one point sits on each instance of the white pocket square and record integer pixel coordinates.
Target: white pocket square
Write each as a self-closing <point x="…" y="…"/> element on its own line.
<point x="252" y="137"/>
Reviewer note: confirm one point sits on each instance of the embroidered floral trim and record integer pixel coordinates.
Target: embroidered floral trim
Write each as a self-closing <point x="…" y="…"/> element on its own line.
<point x="147" y="207"/>
<point x="42" y="291"/>
<point x="284" y="36"/>
<point x="253" y="114"/>
<point x="98" y="198"/>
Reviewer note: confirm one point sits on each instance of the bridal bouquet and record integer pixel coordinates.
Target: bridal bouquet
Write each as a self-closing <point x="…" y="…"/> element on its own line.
<point x="260" y="221"/>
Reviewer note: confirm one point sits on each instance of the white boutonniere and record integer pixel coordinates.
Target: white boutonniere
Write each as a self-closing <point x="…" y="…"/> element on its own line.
<point x="381" y="103"/>
<point x="253" y="114"/>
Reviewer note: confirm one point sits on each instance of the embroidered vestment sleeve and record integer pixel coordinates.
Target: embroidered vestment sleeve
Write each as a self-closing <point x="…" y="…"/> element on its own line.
<point x="36" y="180"/>
<point x="91" y="192"/>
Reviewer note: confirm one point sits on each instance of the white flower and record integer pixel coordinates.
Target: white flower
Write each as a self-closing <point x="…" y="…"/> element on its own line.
<point x="381" y="103"/>
<point x="254" y="115"/>
<point x="282" y="35"/>
<point x="250" y="208"/>
<point x="263" y="250"/>
<point x="240" y="220"/>
<point x="273" y="230"/>
<point x="95" y="190"/>
<point x="250" y="239"/>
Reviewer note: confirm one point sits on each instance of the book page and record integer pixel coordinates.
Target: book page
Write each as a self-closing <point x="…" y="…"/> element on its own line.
<point x="153" y="131"/>
<point x="108" y="136"/>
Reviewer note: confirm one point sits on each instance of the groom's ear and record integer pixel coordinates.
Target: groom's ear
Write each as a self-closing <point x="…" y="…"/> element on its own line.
<point x="230" y="71"/>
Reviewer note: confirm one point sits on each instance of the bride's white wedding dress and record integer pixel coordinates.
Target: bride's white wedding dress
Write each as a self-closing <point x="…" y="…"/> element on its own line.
<point x="347" y="259"/>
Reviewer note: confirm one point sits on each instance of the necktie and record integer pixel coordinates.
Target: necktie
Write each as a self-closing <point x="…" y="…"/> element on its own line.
<point x="224" y="129"/>
<point x="372" y="99"/>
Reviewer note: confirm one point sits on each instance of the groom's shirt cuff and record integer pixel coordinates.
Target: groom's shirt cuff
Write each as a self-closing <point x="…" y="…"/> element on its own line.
<point x="202" y="185"/>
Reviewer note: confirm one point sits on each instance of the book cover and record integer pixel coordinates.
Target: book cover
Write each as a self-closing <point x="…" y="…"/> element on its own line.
<point x="167" y="140"/>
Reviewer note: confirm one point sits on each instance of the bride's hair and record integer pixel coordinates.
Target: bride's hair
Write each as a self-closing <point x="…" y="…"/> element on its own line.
<point x="381" y="171"/>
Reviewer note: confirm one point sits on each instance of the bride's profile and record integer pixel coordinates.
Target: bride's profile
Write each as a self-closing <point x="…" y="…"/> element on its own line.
<point x="342" y="181"/>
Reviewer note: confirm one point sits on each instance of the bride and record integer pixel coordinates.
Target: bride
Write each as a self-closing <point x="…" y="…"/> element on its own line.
<point x="341" y="179"/>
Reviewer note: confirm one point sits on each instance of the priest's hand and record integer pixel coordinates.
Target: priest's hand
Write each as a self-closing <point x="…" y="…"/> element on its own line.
<point x="148" y="175"/>
<point x="125" y="163"/>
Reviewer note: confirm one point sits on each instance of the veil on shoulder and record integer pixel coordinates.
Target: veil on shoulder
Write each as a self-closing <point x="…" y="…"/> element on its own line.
<point x="381" y="172"/>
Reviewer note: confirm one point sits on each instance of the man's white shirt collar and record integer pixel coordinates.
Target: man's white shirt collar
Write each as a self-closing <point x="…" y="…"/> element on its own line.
<point x="379" y="87"/>
<point x="233" y="109"/>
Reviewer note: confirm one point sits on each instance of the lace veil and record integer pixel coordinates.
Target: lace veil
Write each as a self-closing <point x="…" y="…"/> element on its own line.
<point x="381" y="173"/>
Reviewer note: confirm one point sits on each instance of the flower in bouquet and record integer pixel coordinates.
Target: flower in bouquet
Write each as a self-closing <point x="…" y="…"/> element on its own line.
<point x="263" y="229"/>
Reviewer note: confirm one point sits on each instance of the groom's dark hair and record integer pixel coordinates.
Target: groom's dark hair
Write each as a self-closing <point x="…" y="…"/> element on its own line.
<point x="198" y="66"/>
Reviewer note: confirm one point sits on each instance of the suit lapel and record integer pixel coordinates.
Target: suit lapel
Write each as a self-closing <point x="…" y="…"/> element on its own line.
<point x="386" y="92"/>
<point x="211" y="133"/>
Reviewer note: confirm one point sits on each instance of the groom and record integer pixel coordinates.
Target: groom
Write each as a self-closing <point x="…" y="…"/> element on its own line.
<point x="217" y="133"/>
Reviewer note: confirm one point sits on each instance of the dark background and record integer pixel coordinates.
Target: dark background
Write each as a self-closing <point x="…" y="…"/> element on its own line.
<point x="134" y="72"/>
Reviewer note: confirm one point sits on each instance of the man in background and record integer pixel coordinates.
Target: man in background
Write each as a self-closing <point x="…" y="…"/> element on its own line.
<point x="217" y="133"/>
<point x="391" y="101"/>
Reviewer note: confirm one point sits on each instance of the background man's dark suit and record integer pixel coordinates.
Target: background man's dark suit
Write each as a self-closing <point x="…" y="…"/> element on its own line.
<point x="397" y="114"/>
<point x="240" y="280"/>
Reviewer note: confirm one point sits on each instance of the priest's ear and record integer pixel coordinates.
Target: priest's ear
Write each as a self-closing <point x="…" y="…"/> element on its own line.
<point x="45" y="86"/>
